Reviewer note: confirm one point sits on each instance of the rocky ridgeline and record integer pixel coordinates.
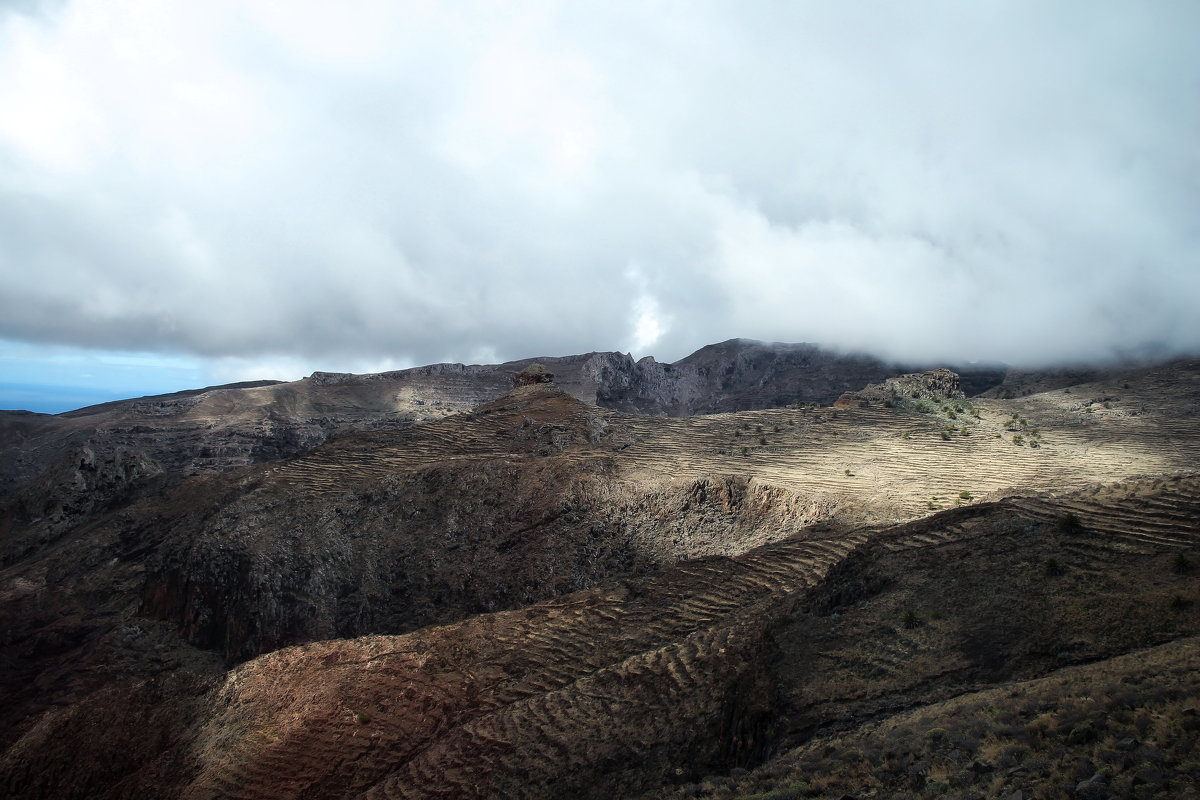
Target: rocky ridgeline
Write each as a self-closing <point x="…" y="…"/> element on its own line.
<point x="226" y="427"/>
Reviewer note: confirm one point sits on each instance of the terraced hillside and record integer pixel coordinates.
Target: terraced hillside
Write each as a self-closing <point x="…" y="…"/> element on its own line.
<point x="543" y="598"/>
<point x="680" y="678"/>
<point x="709" y="666"/>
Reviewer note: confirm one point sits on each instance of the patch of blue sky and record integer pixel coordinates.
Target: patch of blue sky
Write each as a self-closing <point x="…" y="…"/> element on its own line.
<point x="51" y="379"/>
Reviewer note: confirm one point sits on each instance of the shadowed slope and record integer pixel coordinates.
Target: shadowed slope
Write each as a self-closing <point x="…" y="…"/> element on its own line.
<point x="708" y="667"/>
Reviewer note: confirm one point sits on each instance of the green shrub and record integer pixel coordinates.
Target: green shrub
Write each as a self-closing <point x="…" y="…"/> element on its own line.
<point x="909" y="619"/>
<point x="1181" y="564"/>
<point x="1052" y="568"/>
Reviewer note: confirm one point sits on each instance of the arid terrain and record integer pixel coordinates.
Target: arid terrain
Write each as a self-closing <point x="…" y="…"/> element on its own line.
<point x="756" y="573"/>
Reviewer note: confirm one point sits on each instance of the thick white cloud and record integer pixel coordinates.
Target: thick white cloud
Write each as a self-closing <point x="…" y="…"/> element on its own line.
<point x="380" y="182"/>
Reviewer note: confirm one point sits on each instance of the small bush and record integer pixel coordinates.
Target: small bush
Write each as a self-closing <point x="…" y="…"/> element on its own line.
<point x="1070" y="523"/>
<point x="1179" y="602"/>
<point x="909" y="619"/>
<point x="1018" y="440"/>
<point x="1052" y="568"/>
<point x="946" y="435"/>
<point x="966" y="496"/>
<point x="1181" y="564"/>
<point x="1082" y="734"/>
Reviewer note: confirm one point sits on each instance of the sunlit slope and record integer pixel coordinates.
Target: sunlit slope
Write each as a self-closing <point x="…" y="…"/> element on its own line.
<point x="869" y="463"/>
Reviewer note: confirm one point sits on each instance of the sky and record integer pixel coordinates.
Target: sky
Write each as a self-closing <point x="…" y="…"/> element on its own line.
<point x="197" y="193"/>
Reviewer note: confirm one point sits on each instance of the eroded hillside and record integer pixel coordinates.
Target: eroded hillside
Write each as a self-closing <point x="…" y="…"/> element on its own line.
<point x="543" y="598"/>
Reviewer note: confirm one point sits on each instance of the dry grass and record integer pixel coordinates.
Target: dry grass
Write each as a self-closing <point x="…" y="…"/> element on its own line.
<point x="1130" y="724"/>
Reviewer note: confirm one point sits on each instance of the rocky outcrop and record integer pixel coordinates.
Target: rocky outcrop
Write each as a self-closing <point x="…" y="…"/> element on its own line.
<point x="533" y="375"/>
<point x="936" y="384"/>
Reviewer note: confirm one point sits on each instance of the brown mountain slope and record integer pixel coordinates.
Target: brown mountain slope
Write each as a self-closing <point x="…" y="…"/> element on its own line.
<point x="662" y="680"/>
<point x="644" y="530"/>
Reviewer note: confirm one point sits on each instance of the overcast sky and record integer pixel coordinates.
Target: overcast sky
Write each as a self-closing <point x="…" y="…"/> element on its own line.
<point x="241" y="189"/>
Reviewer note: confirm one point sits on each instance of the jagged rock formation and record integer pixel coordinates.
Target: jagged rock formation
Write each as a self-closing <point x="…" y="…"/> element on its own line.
<point x="533" y="374"/>
<point x="937" y="384"/>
